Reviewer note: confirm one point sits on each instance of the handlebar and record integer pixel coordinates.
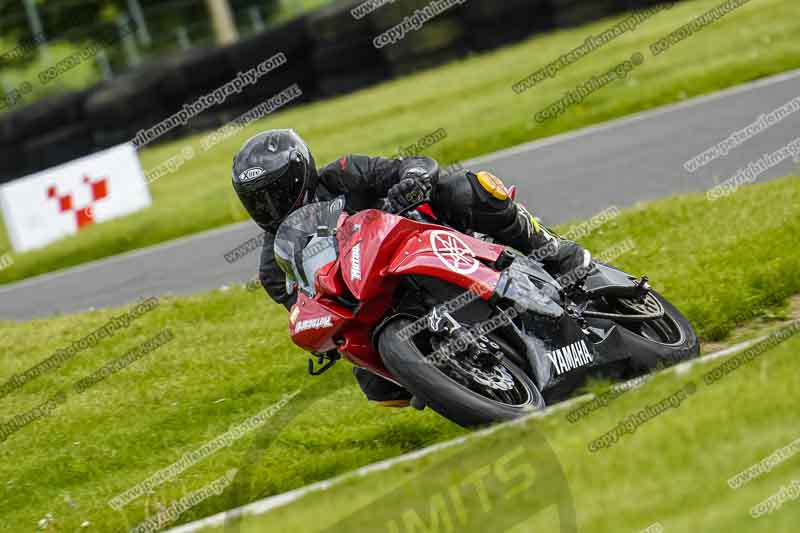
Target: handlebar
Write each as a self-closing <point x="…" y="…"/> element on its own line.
<point x="403" y="212"/>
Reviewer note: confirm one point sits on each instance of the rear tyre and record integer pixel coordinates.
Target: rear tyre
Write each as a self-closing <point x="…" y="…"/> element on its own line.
<point x="671" y="338"/>
<point x="436" y="388"/>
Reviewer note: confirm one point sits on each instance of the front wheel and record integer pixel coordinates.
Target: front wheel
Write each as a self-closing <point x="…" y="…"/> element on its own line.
<point x="454" y="388"/>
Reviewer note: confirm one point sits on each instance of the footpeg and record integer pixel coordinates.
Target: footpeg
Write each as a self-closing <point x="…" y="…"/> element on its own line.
<point x="643" y="287"/>
<point x="322" y="358"/>
<point x="418" y="404"/>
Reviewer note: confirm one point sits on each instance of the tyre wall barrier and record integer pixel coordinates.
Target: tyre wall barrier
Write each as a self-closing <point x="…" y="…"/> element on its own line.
<point x="328" y="52"/>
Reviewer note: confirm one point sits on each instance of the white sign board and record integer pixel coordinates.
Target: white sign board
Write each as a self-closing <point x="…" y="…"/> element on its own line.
<point x="49" y="205"/>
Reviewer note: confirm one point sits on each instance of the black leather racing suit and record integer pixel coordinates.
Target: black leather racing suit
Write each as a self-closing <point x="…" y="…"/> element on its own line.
<point x="459" y="199"/>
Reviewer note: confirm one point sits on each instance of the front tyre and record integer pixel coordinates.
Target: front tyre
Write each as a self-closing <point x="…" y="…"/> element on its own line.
<point x="444" y="388"/>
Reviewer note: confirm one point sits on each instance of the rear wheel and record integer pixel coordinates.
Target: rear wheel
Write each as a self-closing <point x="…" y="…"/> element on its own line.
<point x="671" y="336"/>
<point x="455" y="387"/>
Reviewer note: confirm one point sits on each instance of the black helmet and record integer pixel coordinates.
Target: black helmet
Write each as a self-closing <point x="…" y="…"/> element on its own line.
<point x="274" y="174"/>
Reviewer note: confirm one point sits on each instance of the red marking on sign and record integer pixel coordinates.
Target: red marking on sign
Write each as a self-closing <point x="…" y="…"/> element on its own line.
<point x="99" y="190"/>
<point x="84" y="216"/>
<point x="65" y="203"/>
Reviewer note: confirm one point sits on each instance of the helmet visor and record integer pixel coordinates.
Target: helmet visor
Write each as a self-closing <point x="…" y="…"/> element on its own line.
<point x="271" y="197"/>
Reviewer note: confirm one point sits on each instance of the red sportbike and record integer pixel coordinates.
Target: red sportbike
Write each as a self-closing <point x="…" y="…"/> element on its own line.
<point x="476" y="331"/>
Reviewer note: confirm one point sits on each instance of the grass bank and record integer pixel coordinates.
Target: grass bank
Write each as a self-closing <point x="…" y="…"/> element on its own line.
<point x="229" y="358"/>
<point x="672" y="472"/>
<point x="471" y="99"/>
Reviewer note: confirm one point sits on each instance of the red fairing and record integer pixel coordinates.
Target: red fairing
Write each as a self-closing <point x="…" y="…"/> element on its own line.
<point x="319" y="324"/>
<point x="451" y="256"/>
<point x="366" y="243"/>
<point x="330" y="281"/>
<point x="356" y="343"/>
<point x="375" y="250"/>
<point x="314" y="323"/>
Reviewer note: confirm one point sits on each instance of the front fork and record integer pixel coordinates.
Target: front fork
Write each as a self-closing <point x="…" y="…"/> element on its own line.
<point x="479" y="347"/>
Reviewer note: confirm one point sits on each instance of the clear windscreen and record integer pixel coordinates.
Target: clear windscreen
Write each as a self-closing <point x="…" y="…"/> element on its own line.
<point x="305" y="241"/>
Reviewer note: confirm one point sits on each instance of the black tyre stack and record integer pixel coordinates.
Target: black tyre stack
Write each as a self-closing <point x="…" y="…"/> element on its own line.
<point x="639" y="4"/>
<point x="116" y="110"/>
<point x="12" y="160"/>
<point x="344" y="58"/>
<point x="192" y="75"/>
<point x="290" y="39"/>
<point x="491" y="24"/>
<point x="328" y="52"/>
<point x="43" y="134"/>
<point x="567" y="13"/>
<point x="438" y="41"/>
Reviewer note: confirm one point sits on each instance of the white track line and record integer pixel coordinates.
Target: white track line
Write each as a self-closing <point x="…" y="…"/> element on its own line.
<point x="509" y="152"/>
<point x="273" y="502"/>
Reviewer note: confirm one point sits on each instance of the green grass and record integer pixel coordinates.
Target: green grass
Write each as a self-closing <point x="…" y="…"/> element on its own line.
<point x="673" y="470"/>
<point x="472" y="99"/>
<point x="231" y="358"/>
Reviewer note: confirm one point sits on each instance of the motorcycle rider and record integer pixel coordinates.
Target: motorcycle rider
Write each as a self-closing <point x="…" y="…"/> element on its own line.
<point x="274" y="173"/>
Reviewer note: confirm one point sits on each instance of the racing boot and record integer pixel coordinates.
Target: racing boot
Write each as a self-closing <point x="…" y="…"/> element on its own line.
<point x="380" y="390"/>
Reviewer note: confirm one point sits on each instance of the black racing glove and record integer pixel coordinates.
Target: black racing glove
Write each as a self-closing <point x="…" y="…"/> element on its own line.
<point x="407" y="192"/>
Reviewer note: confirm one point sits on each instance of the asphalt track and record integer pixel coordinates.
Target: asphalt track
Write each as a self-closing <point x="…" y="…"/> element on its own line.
<point x="561" y="178"/>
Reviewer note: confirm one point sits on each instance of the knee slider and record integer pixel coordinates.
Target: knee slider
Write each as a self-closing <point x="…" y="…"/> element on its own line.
<point x="489" y="191"/>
